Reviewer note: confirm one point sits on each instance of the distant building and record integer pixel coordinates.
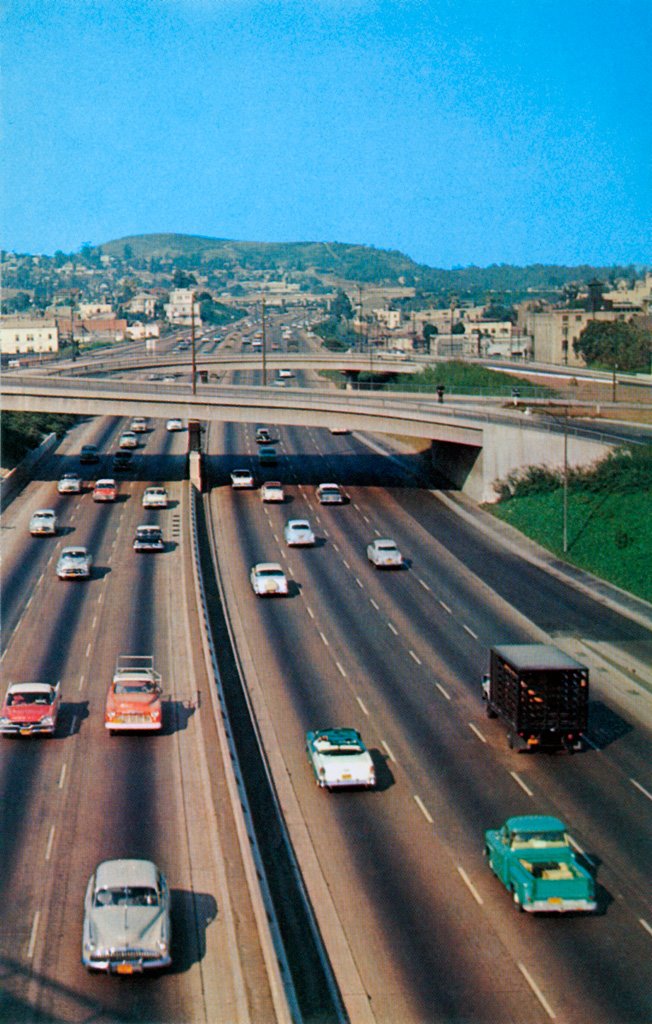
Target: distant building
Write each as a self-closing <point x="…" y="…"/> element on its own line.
<point x="143" y="303"/>
<point x="179" y="310"/>
<point x="553" y="331"/>
<point x="27" y="335"/>
<point x="90" y="310"/>
<point x="138" y="331"/>
<point x="389" y="318"/>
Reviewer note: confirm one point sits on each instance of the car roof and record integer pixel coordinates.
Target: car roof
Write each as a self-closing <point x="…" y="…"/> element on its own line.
<point x="238" y="472"/>
<point x="30" y="688"/>
<point x="260" y="566"/>
<point x="330" y="485"/>
<point x="105" y="482"/>
<point x="70" y="476"/>
<point x="44" y="512"/>
<point x="148" y="528"/>
<point x="272" y="483"/>
<point x="126" y="872"/>
<point x="385" y="540"/>
<point x="74" y="551"/>
<point x="303" y="523"/>
<point x="535" y="823"/>
<point x="155" y="487"/>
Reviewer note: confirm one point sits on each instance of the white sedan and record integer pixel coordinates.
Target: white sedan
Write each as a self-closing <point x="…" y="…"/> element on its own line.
<point x="330" y="494"/>
<point x="74" y="563"/>
<point x="384" y="554"/>
<point x="298" y="533"/>
<point x="43" y="523"/>
<point x="272" y="490"/>
<point x="268" y="579"/>
<point x="242" y="478"/>
<point x="128" y="439"/>
<point x="70" y="483"/>
<point x="174" y="424"/>
<point x="155" y="497"/>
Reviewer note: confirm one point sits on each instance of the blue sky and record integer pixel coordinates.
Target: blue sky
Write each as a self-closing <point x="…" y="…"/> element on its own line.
<point x="458" y="131"/>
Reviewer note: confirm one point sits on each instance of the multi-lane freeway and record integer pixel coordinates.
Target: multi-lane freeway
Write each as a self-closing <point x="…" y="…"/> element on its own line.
<point x="416" y="926"/>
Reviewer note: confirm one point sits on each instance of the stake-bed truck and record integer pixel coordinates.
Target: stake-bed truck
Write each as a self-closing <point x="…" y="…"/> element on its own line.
<point x="541" y="694"/>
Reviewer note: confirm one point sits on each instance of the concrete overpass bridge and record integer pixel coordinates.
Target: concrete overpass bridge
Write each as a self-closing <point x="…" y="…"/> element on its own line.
<point x="473" y="447"/>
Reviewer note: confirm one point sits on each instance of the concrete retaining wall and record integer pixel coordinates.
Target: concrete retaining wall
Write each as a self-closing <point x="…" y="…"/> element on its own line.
<point x="20" y="474"/>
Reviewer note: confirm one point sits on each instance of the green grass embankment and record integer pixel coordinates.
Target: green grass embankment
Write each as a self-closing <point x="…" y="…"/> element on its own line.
<point x="609" y="526"/>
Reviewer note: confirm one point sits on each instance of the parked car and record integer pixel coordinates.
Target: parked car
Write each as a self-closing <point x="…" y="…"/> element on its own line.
<point x="70" y="483"/>
<point x="128" y="439"/>
<point x="339" y="758"/>
<point x="30" y="709"/>
<point x="272" y="490"/>
<point x="89" y="453"/>
<point x="148" y="538"/>
<point x="127" y="924"/>
<point x="43" y="523"/>
<point x="533" y="858"/>
<point x="74" y="563"/>
<point x="384" y="554"/>
<point x="268" y="579"/>
<point x="242" y="478"/>
<point x="105" y="489"/>
<point x="155" y="497"/>
<point x="139" y="425"/>
<point x="174" y="424"/>
<point x="330" y="494"/>
<point x="298" y="533"/>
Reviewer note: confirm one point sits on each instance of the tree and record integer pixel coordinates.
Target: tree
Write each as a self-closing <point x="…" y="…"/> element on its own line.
<point x="181" y="279"/>
<point x="458" y="328"/>
<point x="615" y="343"/>
<point x="341" y="308"/>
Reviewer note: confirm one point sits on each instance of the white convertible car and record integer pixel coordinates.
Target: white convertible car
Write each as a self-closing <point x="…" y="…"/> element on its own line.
<point x="339" y="758"/>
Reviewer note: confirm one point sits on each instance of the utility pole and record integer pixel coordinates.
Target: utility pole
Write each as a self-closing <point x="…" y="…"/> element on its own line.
<point x="264" y="345"/>
<point x="565" y="491"/>
<point x="192" y="342"/>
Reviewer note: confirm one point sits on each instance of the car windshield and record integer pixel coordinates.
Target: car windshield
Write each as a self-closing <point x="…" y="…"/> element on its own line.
<point x="134" y="687"/>
<point x="74" y="555"/>
<point x="386" y="547"/>
<point x="299" y="526"/>
<point x="127" y="896"/>
<point x="539" y="840"/>
<point x="29" y="698"/>
<point x="269" y="572"/>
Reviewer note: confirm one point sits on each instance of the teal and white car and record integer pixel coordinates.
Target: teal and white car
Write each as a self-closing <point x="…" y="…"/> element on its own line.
<point x="533" y="858"/>
<point x="339" y="759"/>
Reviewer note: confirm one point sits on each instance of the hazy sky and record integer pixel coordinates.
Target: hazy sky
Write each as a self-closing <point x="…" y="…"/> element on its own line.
<point x="458" y="131"/>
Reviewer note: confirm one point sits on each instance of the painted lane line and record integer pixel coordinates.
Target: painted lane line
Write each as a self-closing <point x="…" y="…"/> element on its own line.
<point x="469" y="884"/>
<point x="393" y="628"/>
<point x="29" y="600"/>
<point x="32" y="937"/>
<point x="644" y="924"/>
<point x="469" y="631"/>
<point x="389" y="752"/>
<point x="48" y="848"/>
<point x="537" y="991"/>
<point x="62" y="775"/>
<point x="366" y="518"/>
<point x="475" y="729"/>
<point x="335" y="547"/>
<point x="72" y="725"/>
<point x="290" y="571"/>
<point x="641" y="789"/>
<point x="445" y="607"/>
<point x="326" y="533"/>
<point x="340" y="669"/>
<point x="360" y="583"/>
<point x="377" y="532"/>
<point x="582" y="852"/>
<point x="310" y="611"/>
<point x="422" y="807"/>
<point x="423" y="584"/>
<point x="356" y="507"/>
<point x="415" y="657"/>
<point x="323" y="638"/>
<point x="81" y="681"/>
<point x="377" y="607"/>
<point x="346" y="563"/>
<point x="94" y="623"/>
<point x="519" y="781"/>
<point x="88" y="649"/>
<point x="275" y="536"/>
<point x="360" y="702"/>
<point x="443" y="692"/>
<point x="590" y="742"/>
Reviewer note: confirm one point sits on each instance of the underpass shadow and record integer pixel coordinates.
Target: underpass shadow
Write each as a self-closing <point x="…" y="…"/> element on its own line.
<point x="192" y="914"/>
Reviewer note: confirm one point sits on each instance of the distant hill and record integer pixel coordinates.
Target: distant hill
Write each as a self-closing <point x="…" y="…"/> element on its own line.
<point x="354" y="263"/>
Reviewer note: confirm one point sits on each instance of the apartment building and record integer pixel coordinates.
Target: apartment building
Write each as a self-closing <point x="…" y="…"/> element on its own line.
<point x="28" y="335"/>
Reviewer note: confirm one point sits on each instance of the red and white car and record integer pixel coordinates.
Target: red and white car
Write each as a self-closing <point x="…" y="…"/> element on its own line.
<point x="134" y="697"/>
<point x="29" y="709"/>
<point x="105" y="490"/>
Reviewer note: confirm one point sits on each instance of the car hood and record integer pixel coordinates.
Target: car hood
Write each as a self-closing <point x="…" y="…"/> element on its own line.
<point x="133" y="702"/>
<point x="27" y="712"/>
<point x="127" y="927"/>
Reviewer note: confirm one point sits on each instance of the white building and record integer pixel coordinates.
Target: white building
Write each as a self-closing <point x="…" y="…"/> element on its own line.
<point x="90" y="310"/>
<point x="179" y="309"/>
<point x="142" y="303"/>
<point x="23" y="335"/>
<point x="138" y="331"/>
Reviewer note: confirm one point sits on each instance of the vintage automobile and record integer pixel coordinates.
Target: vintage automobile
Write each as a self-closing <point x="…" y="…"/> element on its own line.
<point x="128" y="439"/>
<point x="122" y="460"/>
<point x="30" y="709"/>
<point x="298" y="533"/>
<point x="43" y="523"/>
<point x="285" y="374"/>
<point x="330" y="494"/>
<point x="384" y="554"/>
<point x="263" y="436"/>
<point x="174" y="424"/>
<point x="533" y="858"/>
<point x="155" y="497"/>
<point x="272" y="490"/>
<point x="127" y="926"/>
<point x="242" y="478"/>
<point x="339" y="758"/>
<point x="268" y="580"/>
<point x="148" y="538"/>
<point x="139" y="425"/>
<point x="74" y="564"/>
<point x="70" y="483"/>
<point x="134" y="697"/>
<point x="340" y="430"/>
<point x="267" y="455"/>
<point x="105" y="489"/>
<point x="89" y="453"/>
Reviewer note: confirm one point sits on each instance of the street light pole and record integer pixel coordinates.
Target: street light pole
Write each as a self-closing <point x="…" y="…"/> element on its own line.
<point x="264" y="345"/>
<point x="192" y="341"/>
<point x="565" y="491"/>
